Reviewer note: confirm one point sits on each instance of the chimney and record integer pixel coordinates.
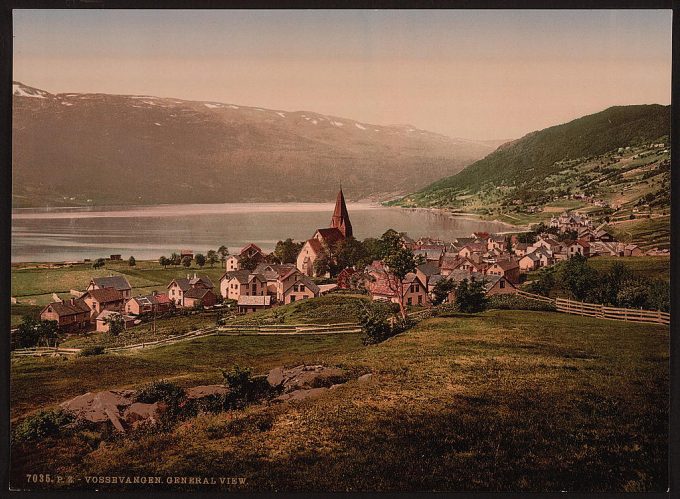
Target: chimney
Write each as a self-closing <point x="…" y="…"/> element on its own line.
<point x="194" y="275"/>
<point x="73" y="301"/>
<point x="188" y="277"/>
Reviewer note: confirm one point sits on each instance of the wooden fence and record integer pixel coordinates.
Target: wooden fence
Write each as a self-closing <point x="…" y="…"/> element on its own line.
<point x="614" y="313"/>
<point x="44" y="351"/>
<point x="532" y="296"/>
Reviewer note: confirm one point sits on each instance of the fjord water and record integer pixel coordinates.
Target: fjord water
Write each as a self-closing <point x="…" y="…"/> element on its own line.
<point x="146" y="232"/>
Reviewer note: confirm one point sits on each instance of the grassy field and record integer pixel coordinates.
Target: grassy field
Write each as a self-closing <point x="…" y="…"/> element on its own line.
<point x="499" y="401"/>
<point x="32" y="284"/>
<point x="647" y="232"/>
<point x="644" y="266"/>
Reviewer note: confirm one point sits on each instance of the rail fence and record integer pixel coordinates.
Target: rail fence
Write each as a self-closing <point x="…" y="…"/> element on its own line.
<point x="44" y="351"/>
<point x="532" y="296"/>
<point x="614" y="313"/>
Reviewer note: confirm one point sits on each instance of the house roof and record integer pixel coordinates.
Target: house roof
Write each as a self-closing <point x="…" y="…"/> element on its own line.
<point x="449" y="262"/>
<point x="330" y="235"/>
<point x="186" y="283"/>
<point x="240" y="275"/>
<point x="315" y="245"/>
<point x="198" y="293"/>
<point x="118" y="282"/>
<point x="109" y="314"/>
<point x="429" y="268"/>
<point x="104" y="295"/>
<point x="532" y="256"/>
<point x="507" y="264"/>
<point x="311" y="285"/>
<point x="162" y="299"/>
<point x="64" y="309"/>
<point x="250" y="246"/>
<point x="521" y="246"/>
<point x="475" y="247"/>
<point x="255" y="300"/>
<point x="429" y="254"/>
<point x="272" y="271"/>
<point x="144" y="301"/>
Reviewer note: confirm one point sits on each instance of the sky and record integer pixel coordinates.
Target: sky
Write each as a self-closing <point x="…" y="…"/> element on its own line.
<point x="476" y="74"/>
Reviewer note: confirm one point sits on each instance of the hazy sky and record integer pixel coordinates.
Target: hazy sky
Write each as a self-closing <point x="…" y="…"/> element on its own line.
<point x="473" y="74"/>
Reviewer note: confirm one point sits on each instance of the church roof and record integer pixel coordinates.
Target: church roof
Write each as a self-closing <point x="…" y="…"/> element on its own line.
<point x="340" y="219"/>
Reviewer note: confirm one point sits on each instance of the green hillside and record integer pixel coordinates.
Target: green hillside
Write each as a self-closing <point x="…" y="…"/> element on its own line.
<point x="528" y="161"/>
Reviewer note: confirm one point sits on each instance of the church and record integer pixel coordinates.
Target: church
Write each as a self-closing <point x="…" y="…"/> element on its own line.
<point x="340" y="229"/>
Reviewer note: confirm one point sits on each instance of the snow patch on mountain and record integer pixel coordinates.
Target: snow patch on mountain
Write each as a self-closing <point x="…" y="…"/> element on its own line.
<point x="21" y="91"/>
<point x="360" y="126"/>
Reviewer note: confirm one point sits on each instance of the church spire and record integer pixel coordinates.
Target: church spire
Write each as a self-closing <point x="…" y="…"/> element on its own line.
<point x="340" y="218"/>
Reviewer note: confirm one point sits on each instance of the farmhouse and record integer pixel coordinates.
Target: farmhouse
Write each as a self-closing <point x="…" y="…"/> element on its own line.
<point x="117" y="282"/>
<point x="178" y="287"/>
<point x="72" y="315"/>
<point x="155" y="302"/>
<point x="103" y="320"/>
<point x="248" y="304"/>
<point x="505" y="268"/>
<point x="103" y="299"/>
<point x="199" y="297"/>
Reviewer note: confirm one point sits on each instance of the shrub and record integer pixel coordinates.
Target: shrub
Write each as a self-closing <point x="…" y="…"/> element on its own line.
<point x="470" y="296"/>
<point x="44" y="424"/>
<point x="171" y="395"/>
<point x="378" y="322"/>
<point x="244" y="388"/>
<point x="93" y="350"/>
<point x="514" y="302"/>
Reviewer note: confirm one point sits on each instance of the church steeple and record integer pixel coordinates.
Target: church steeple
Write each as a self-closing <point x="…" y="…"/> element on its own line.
<point x="340" y="218"/>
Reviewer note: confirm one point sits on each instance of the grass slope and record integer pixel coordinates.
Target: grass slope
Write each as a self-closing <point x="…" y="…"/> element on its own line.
<point x="499" y="401"/>
<point x="533" y="155"/>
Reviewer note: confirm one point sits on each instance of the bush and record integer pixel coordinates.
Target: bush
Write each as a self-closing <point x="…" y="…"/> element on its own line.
<point x="470" y="296"/>
<point x="171" y="395"/>
<point x="514" y="302"/>
<point x="44" y="424"/>
<point x="93" y="350"/>
<point x="244" y="388"/>
<point x="378" y="322"/>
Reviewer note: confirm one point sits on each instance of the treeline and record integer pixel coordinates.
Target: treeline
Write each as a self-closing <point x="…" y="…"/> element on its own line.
<point x="617" y="286"/>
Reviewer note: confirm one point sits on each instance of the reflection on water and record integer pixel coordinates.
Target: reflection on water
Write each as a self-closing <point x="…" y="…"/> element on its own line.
<point x="150" y="231"/>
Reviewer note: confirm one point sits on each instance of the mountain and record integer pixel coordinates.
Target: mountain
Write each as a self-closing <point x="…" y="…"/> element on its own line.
<point x="77" y="149"/>
<point x="525" y="165"/>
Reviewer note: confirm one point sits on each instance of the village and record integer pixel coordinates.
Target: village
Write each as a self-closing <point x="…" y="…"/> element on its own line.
<point x="253" y="281"/>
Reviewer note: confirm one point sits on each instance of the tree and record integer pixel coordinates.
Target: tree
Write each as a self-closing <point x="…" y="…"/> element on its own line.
<point x="576" y="276"/>
<point x="200" y="259"/>
<point x="441" y="291"/>
<point x="116" y="324"/>
<point x="98" y="263"/>
<point x="175" y="259"/>
<point x="350" y="253"/>
<point x="35" y="332"/>
<point x="545" y="282"/>
<point x="322" y="264"/>
<point x="132" y="262"/>
<point x="398" y="261"/>
<point x="186" y="261"/>
<point x="223" y="252"/>
<point x="372" y="248"/>
<point x="249" y="262"/>
<point x="374" y="321"/>
<point x="164" y="262"/>
<point x="471" y="296"/>
<point x="287" y="251"/>
<point x="213" y="257"/>
<point x="633" y="294"/>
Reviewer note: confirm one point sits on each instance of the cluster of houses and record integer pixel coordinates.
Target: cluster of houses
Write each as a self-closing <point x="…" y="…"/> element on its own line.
<point x="108" y="298"/>
<point x="497" y="260"/>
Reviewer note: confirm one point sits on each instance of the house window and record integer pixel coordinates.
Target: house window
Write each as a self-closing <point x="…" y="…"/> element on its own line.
<point x="502" y="284"/>
<point x="420" y="299"/>
<point x="409" y="301"/>
<point x="302" y="287"/>
<point x="292" y="298"/>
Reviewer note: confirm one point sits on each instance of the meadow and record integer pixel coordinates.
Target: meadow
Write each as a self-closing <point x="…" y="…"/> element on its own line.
<point x="503" y="400"/>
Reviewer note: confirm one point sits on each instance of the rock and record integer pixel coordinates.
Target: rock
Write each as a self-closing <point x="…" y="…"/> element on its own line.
<point x="365" y="377"/>
<point x="300" y="394"/>
<point x="305" y="377"/>
<point x="275" y="377"/>
<point x="113" y="417"/>
<point x="97" y="407"/>
<point x="140" y="411"/>
<point x="199" y="392"/>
